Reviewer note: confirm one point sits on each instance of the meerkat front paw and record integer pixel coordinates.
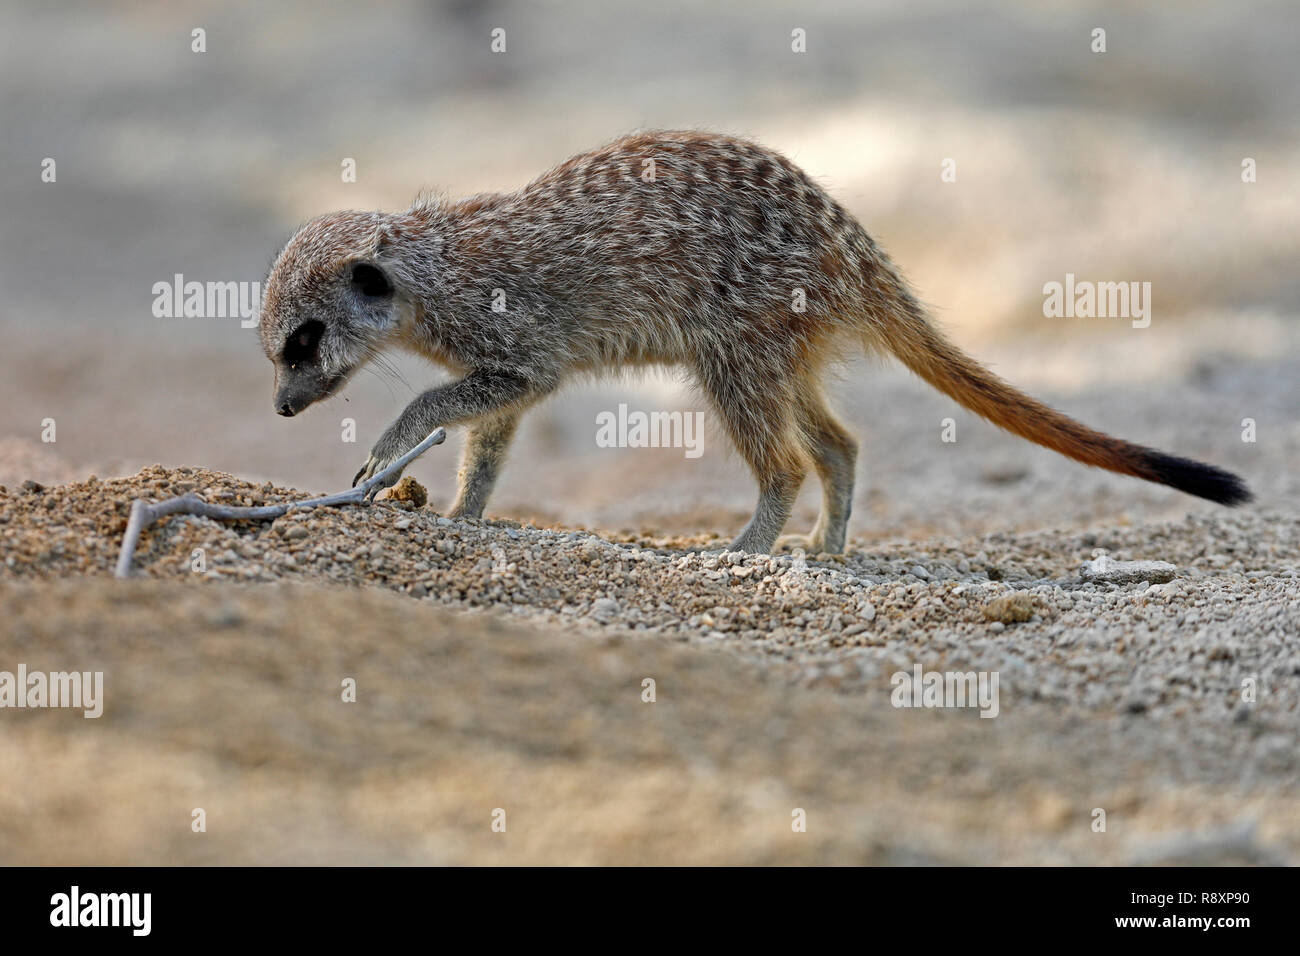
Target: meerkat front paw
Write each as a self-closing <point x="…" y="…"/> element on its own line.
<point x="373" y="466"/>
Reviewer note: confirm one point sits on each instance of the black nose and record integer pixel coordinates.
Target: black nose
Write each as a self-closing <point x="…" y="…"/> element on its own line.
<point x="286" y="410"/>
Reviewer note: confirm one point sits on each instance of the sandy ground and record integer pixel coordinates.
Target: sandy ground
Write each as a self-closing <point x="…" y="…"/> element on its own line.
<point x="228" y="699"/>
<point x="500" y="665"/>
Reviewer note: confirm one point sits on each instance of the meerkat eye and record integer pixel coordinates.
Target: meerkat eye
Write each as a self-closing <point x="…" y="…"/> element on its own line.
<point x="301" y="345"/>
<point x="370" y="281"/>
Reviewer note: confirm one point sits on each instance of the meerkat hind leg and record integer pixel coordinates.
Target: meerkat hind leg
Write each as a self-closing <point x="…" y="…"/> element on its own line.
<point x="777" y="492"/>
<point x="834" y="454"/>
<point x="486" y="444"/>
<point x="758" y="419"/>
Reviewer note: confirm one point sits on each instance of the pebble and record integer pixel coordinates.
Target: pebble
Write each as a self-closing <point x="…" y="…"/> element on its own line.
<point x="1107" y="571"/>
<point x="604" y="609"/>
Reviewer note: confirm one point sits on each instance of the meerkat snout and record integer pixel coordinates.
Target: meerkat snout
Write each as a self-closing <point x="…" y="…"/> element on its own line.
<point x="300" y="378"/>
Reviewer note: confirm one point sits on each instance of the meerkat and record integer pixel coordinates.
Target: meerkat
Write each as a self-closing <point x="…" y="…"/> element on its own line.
<point x="684" y="249"/>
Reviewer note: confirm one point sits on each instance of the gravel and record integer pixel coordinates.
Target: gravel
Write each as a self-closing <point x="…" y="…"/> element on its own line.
<point x="1227" y="608"/>
<point x="1173" y="690"/>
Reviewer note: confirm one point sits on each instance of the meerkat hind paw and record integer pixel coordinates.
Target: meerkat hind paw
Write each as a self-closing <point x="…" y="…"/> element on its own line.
<point x="792" y="542"/>
<point x="810" y="544"/>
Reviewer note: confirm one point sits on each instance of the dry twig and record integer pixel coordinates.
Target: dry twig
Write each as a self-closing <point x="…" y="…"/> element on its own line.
<point x="145" y="513"/>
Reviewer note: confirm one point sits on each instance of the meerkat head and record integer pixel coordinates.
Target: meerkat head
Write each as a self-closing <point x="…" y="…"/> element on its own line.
<point x="328" y="306"/>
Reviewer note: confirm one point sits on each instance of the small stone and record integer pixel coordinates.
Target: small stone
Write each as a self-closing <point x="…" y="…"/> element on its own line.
<point x="1013" y="608"/>
<point x="602" y="609"/>
<point x="1107" y="571"/>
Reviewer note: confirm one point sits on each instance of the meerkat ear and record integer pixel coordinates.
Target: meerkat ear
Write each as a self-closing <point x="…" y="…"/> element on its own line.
<point x="383" y="240"/>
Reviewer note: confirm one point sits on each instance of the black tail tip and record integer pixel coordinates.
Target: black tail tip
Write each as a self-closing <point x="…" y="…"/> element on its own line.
<point x="1198" y="478"/>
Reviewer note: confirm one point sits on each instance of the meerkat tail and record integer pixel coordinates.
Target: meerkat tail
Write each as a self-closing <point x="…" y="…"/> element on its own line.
<point x="922" y="348"/>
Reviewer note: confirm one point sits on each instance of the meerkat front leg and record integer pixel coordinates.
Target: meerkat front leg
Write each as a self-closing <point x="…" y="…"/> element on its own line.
<point x="481" y="392"/>
<point x="485" y="450"/>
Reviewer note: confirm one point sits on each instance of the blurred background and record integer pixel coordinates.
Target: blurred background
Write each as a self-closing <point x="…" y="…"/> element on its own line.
<point x="1117" y="166"/>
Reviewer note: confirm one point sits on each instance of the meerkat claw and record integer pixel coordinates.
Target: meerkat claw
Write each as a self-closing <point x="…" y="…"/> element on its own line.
<point x="372" y="467"/>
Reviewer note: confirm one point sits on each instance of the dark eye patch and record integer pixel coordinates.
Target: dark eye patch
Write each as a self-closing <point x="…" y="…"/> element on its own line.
<point x="370" y="281"/>
<point x="302" y="344"/>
